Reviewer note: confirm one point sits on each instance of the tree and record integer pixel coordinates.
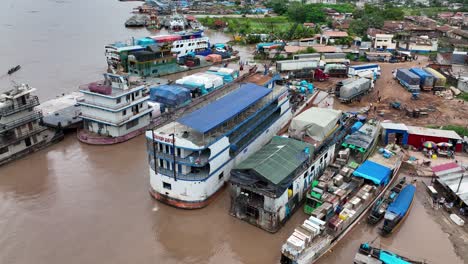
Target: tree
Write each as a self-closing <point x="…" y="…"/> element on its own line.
<point x="280" y="7"/>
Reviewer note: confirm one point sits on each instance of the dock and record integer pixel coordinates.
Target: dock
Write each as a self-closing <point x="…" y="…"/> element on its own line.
<point x="62" y="112"/>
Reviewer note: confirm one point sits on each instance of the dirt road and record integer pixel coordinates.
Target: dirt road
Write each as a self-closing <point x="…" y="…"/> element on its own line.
<point x="445" y="112"/>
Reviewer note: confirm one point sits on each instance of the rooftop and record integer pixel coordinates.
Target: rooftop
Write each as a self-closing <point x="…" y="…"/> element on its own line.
<point x="458" y="183"/>
<point x="335" y="34"/>
<point x="395" y="126"/>
<point x="446" y="168"/>
<point x="224" y="109"/>
<point x="278" y="159"/>
<point x="431" y="132"/>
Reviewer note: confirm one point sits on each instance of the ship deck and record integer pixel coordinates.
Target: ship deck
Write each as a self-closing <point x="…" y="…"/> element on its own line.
<point x="62" y="110"/>
<point x="387" y="162"/>
<point x="202" y="139"/>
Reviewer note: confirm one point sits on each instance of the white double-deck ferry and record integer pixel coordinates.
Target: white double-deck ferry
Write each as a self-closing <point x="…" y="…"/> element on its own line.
<point x="191" y="159"/>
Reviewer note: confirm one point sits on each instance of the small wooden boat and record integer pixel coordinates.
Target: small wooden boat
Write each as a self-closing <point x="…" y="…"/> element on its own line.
<point x="372" y="255"/>
<point x="14" y="69"/>
<point x="399" y="209"/>
<point x="381" y="205"/>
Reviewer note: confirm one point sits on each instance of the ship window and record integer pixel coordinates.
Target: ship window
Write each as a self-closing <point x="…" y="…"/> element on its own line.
<point x="4" y="150"/>
<point x="312" y="169"/>
<point x="167" y="148"/>
<point x="132" y="123"/>
<point x="161" y="163"/>
<point x="326" y="155"/>
<point x="321" y="160"/>
<point x="124" y="112"/>
<point x="167" y="186"/>
<point x="178" y="152"/>
<point x="118" y="100"/>
<point x="221" y="175"/>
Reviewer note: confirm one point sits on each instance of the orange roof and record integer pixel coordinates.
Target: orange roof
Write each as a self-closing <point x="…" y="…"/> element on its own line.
<point x="335" y="33"/>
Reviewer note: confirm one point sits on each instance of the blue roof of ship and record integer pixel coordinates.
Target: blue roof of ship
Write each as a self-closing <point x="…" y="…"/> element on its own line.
<point x="403" y="201"/>
<point x="420" y="72"/>
<point x="375" y="172"/>
<point x="225" y="108"/>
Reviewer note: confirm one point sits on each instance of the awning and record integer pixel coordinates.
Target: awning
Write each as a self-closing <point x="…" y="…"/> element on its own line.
<point x="375" y="172"/>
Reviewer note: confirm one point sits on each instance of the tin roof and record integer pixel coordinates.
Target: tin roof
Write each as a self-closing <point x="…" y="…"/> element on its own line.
<point x="446" y="168"/>
<point x="458" y="183"/>
<point x="278" y="159"/>
<point x="395" y="126"/>
<point x="431" y="132"/>
<point x="335" y="34"/>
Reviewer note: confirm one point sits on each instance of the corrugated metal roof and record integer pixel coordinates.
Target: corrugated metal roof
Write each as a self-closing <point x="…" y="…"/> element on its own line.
<point x="395" y="126"/>
<point x="446" y="168"/>
<point x="225" y="108"/>
<point x="431" y="132"/>
<point x="278" y="159"/>
<point x="452" y="181"/>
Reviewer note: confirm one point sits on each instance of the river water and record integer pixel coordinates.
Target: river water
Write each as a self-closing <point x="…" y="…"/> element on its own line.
<point x="75" y="203"/>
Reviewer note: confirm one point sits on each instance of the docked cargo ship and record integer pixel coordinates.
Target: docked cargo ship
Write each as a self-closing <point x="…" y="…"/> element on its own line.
<point x="113" y="111"/>
<point x="343" y="195"/>
<point x="380" y="207"/>
<point x="372" y="255"/>
<point x="269" y="186"/>
<point x="21" y="129"/>
<point x="191" y="158"/>
<point x="398" y="209"/>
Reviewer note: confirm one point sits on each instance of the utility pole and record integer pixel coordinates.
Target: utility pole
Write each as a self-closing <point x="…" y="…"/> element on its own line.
<point x="174" y="155"/>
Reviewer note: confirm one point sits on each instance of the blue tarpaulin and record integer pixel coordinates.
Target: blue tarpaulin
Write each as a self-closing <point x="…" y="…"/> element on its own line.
<point x="375" y="172"/>
<point x="170" y="95"/>
<point x="225" y="108"/>
<point x="390" y="258"/>
<point x="403" y="201"/>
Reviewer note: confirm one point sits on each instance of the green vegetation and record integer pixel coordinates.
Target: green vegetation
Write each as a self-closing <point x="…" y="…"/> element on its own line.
<point x="280" y="7"/>
<point x="463" y="96"/>
<point x="277" y="27"/>
<point x="373" y="16"/>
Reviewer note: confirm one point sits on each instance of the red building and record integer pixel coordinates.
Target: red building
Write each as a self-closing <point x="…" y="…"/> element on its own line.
<point x="419" y="135"/>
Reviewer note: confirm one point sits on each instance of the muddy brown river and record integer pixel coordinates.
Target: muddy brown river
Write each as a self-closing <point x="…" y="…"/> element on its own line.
<point x="75" y="203"/>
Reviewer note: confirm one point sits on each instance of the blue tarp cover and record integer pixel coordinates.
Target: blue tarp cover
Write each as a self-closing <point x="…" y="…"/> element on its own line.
<point x="390" y="258"/>
<point x="375" y="172"/>
<point x="225" y="108"/>
<point x="403" y="201"/>
<point x="170" y="95"/>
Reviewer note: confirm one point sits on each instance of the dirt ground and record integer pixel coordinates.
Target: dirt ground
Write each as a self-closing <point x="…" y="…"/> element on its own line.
<point x="454" y="112"/>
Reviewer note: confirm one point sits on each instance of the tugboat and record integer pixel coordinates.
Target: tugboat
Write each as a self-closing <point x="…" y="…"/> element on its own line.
<point x="379" y="208"/>
<point x="372" y="255"/>
<point x="398" y="209"/>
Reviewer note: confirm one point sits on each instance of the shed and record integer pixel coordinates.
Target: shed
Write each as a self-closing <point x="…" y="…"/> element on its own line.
<point x="446" y="168"/>
<point x="418" y="135"/>
<point x="457" y="183"/>
<point x="395" y="132"/>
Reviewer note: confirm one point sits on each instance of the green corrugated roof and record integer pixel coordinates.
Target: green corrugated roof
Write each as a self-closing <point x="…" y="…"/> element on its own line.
<point x="278" y="159"/>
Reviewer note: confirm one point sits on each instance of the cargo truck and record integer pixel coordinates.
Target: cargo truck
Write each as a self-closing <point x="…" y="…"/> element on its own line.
<point x="408" y="80"/>
<point x="336" y="70"/>
<point x="426" y="80"/>
<point x="439" y="79"/>
<point x="356" y="69"/>
<point x="310" y="75"/>
<point x="306" y="56"/>
<point x="353" y="89"/>
<point x="296" y="65"/>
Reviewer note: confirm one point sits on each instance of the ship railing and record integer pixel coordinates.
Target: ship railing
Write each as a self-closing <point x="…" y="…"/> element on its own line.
<point x="120" y="121"/>
<point x="202" y="175"/>
<point x="11" y="138"/>
<point x="4" y="127"/>
<point x="9" y="110"/>
<point x="194" y="159"/>
<point x="113" y="107"/>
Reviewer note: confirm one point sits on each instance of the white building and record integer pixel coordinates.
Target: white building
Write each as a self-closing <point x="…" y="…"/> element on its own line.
<point x="114" y="109"/>
<point x="384" y="41"/>
<point x="20" y="129"/>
